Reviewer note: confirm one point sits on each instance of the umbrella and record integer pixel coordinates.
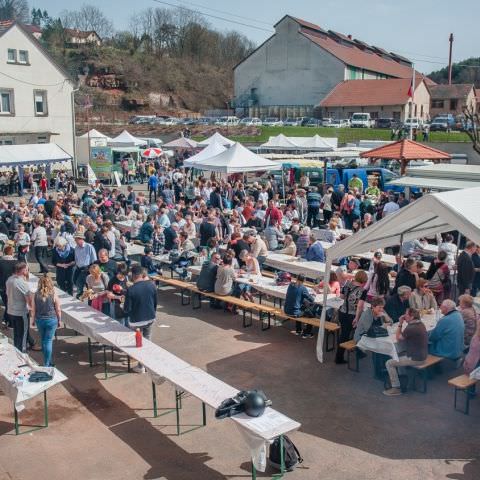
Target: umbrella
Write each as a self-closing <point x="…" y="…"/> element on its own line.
<point x="152" y="152"/>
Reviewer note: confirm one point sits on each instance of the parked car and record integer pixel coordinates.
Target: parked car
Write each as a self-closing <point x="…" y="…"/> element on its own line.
<point x="171" y="121"/>
<point x="313" y="122"/>
<point x="385" y="123"/>
<point x="272" y="122"/>
<point x="413" y="122"/>
<point x="341" y="123"/>
<point x="327" y="122"/>
<point x="362" y="120"/>
<point x="251" y="121"/>
<point x="227" y="121"/>
<point x="292" y="122"/>
<point x="442" y="123"/>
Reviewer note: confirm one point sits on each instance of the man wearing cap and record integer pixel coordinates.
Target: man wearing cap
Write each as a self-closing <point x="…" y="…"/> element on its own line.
<point x="85" y="255"/>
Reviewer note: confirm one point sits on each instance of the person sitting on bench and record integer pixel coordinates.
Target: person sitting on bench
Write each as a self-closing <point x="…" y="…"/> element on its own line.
<point x="415" y="339"/>
<point x="299" y="303"/>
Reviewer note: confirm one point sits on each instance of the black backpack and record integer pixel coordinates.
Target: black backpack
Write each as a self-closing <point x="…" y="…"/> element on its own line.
<point x="291" y="455"/>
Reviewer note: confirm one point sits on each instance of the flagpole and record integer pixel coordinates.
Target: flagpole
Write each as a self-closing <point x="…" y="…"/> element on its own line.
<point x="413" y="98"/>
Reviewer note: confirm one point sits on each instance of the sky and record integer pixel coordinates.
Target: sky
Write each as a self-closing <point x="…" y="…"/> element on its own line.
<point x="417" y="30"/>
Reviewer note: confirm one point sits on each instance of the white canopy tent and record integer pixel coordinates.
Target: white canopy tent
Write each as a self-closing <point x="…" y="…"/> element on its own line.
<point x="434" y="213"/>
<point x="212" y="150"/>
<point x="236" y="159"/>
<point x="280" y="142"/>
<point x="126" y="139"/>
<point x="216" y="137"/>
<point x="32" y="154"/>
<point x="94" y="134"/>
<point x="316" y="143"/>
<point x="181" y="142"/>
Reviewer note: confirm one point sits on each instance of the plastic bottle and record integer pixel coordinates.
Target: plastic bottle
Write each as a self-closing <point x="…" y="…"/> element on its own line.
<point x="138" y="338"/>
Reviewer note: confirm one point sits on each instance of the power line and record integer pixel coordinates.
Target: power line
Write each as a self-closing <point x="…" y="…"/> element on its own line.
<point x="226" y="13"/>
<point x="31" y="84"/>
<point x="213" y="16"/>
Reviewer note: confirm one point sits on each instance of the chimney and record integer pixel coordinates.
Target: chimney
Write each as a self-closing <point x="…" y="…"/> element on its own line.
<point x="450" y="39"/>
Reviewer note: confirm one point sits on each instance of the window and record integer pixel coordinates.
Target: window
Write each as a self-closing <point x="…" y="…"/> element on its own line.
<point x="12" y="56"/>
<point x="374" y="115"/>
<point x="6" y="102"/>
<point x="40" y="102"/>
<point x="396" y="115"/>
<point x="42" y="139"/>
<point x="453" y="103"/>
<point x="22" y="56"/>
<point x="437" y="103"/>
<point x="6" y="141"/>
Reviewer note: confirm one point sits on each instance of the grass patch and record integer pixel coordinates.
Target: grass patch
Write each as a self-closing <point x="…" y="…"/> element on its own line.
<point x="344" y="135"/>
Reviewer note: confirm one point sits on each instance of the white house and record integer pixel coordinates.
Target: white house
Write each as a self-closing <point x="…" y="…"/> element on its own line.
<point x="77" y="37"/>
<point x="36" y="93"/>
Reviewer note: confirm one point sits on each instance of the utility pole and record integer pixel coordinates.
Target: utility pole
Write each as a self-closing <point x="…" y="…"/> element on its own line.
<point x="450" y="39"/>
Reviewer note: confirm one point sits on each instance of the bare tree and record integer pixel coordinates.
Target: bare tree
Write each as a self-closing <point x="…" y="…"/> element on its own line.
<point x="88" y="18"/>
<point x="14" y="10"/>
<point x="472" y="127"/>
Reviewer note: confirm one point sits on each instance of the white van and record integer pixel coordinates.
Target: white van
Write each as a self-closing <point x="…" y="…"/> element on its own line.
<point x="227" y="121"/>
<point x="362" y="120"/>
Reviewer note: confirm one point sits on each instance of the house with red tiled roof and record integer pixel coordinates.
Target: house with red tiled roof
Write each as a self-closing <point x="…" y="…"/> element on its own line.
<point x="387" y="98"/>
<point x="300" y="64"/>
<point x="75" y="37"/>
<point x="452" y="98"/>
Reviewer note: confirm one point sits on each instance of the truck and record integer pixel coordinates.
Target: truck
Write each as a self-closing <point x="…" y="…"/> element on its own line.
<point x="362" y="120"/>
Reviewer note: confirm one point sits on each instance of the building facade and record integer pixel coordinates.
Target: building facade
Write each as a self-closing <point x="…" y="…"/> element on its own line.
<point x="301" y="63"/>
<point x="452" y="99"/>
<point x="36" y="104"/>
<point x="79" y="37"/>
<point x="389" y="98"/>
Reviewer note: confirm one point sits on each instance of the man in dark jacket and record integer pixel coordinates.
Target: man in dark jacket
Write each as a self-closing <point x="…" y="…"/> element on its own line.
<point x="296" y="302"/>
<point x="397" y="303"/>
<point x="466" y="269"/>
<point x="314" y="199"/>
<point x="141" y="305"/>
<point x="407" y="275"/>
<point x="7" y="266"/>
<point x="208" y="274"/>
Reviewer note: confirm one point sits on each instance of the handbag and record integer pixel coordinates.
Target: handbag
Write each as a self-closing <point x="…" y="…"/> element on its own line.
<point x="377" y="331"/>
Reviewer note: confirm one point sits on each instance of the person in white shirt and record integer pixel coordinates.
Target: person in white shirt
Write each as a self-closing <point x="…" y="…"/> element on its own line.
<point x="450" y="249"/>
<point x="390" y="207"/>
<point x="111" y="237"/>
<point x="40" y="243"/>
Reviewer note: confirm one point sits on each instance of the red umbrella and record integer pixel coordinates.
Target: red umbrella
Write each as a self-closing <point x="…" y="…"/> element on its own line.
<point x="152" y="152"/>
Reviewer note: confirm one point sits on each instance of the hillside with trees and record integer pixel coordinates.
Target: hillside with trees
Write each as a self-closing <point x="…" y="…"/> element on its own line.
<point x="168" y="58"/>
<point x="466" y="71"/>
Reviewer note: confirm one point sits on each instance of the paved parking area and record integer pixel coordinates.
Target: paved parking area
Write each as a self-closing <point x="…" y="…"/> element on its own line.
<point x="103" y="429"/>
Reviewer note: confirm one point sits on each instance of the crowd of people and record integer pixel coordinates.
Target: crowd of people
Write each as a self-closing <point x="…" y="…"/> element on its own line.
<point x="228" y="228"/>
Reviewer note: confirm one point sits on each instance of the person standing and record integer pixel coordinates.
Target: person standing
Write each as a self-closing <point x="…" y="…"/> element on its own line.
<point x="466" y="269"/>
<point x="314" y="200"/>
<point x="63" y="258"/>
<point x="7" y="267"/>
<point x="40" y="243"/>
<point x="85" y="255"/>
<point x="19" y="302"/>
<point x="46" y="315"/>
<point x="141" y="305"/>
<point x="152" y="187"/>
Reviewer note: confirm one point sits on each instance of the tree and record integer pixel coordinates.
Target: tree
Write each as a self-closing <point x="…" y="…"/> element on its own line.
<point x="39" y="18"/>
<point x="14" y="10"/>
<point x="88" y="18"/>
<point x="472" y="126"/>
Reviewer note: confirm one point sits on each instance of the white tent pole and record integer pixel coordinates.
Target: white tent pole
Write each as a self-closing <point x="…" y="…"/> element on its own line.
<point x="321" y="330"/>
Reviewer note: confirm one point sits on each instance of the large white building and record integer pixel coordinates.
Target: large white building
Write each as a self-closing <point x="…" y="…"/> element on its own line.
<point x="36" y="93"/>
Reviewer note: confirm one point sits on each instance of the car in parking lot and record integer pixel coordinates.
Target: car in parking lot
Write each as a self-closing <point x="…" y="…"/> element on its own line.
<point x="251" y="122"/>
<point x="272" y="122"/>
<point x="313" y="122"/>
<point x="340" y="123"/>
<point x="327" y="122"/>
<point x="413" y="122"/>
<point x="442" y="123"/>
<point x="385" y="123"/>
<point x="292" y="122"/>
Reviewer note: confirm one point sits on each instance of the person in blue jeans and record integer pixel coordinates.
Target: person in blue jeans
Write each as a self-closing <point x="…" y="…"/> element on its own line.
<point x="46" y="315"/>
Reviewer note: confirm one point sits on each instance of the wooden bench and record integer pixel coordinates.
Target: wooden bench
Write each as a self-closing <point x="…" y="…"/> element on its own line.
<point x="350" y="347"/>
<point x="422" y="370"/>
<point x="465" y="384"/>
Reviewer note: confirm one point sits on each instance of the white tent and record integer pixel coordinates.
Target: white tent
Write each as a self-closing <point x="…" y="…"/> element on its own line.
<point x="126" y="139"/>
<point x="435" y="213"/>
<point x="94" y="134"/>
<point x="315" y="143"/>
<point x="216" y="137"/>
<point x="208" y="152"/>
<point x="32" y="154"/>
<point x="237" y="159"/>
<point x="280" y="142"/>
<point x="181" y="142"/>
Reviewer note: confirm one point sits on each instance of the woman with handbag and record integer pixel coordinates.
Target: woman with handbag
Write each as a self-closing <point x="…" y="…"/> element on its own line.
<point x="46" y="315"/>
<point x="438" y="276"/>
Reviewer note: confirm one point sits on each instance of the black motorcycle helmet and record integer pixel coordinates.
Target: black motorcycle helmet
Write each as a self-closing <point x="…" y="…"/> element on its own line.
<point x="255" y="403"/>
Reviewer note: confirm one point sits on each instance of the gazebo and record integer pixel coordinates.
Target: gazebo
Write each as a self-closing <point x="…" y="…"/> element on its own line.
<point x="404" y="151"/>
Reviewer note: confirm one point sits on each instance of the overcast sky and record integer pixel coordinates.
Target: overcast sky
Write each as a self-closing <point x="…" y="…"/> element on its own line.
<point x="418" y="30"/>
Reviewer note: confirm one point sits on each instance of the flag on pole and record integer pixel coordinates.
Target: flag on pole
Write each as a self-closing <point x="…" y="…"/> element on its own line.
<point x="410" y="90"/>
